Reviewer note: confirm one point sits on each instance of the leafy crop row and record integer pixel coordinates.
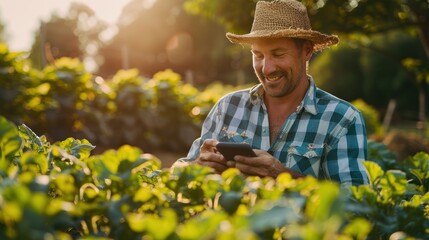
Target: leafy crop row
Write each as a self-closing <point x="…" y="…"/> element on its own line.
<point x="64" y="100"/>
<point x="61" y="191"/>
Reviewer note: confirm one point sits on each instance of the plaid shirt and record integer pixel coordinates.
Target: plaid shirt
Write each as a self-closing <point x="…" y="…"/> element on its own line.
<point x="325" y="137"/>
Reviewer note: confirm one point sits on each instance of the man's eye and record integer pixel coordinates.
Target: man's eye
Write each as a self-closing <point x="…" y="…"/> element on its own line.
<point x="258" y="56"/>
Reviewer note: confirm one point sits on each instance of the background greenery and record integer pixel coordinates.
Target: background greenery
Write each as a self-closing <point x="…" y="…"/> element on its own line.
<point x="382" y="56"/>
<point x="161" y="113"/>
<point x="64" y="100"/>
<point x="383" y="53"/>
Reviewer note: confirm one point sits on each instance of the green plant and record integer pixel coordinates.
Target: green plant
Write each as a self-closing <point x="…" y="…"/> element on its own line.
<point x="392" y="203"/>
<point x="370" y="116"/>
<point x="61" y="191"/>
<point x="382" y="155"/>
<point x="16" y="77"/>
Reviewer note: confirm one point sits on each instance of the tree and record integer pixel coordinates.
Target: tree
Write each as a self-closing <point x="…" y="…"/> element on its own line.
<point x="163" y="36"/>
<point x="351" y="72"/>
<point x="74" y="36"/>
<point x="337" y="16"/>
<point x="55" y="39"/>
<point x="88" y="29"/>
<point x="3" y="35"/>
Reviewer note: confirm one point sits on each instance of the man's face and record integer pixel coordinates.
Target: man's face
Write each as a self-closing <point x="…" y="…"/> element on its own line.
<point x="279" y="64"/>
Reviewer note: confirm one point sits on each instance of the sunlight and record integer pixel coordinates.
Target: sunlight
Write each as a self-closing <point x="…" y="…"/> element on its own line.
<point x="22" y="22"/>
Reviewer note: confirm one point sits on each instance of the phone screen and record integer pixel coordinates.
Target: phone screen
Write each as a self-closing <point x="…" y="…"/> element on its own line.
<point x="231" y="149"/>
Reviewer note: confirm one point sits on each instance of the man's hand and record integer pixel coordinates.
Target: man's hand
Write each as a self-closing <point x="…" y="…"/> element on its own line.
<point x="263" y="165"/>
<point x="210" y="157"/>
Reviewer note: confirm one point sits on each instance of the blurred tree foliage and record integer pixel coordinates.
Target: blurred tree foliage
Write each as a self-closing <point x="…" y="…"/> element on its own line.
<point x="65" y="100"/>
<point x="332" y="16"/>
<point x="3" y="35"/>
<point x="76" y="36"/>
<point x="374" y="73"/>
<point x="371" y="117"/>
<point x="164" y="36"/>
<point x="374" y="65"/>
<point x="16" y="76"/>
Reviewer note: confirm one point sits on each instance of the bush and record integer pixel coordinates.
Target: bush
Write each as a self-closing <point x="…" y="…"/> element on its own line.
<point x="64" y="100"/>
<point x="365" y="70"/>
<point x="17" y="80"/>
<point x="149" y="113"/>
<point x="370" y="116"/>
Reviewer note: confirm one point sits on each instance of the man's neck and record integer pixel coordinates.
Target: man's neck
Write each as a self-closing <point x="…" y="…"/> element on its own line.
<point x="280" y="108"/>
<point x="290" y="101"/>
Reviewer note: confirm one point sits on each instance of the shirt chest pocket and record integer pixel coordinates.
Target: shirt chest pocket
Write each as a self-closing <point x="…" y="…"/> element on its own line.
<point x="305" y="159"/>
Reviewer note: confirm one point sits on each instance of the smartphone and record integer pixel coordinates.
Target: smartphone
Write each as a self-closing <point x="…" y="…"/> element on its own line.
<point x="230" y="149"/>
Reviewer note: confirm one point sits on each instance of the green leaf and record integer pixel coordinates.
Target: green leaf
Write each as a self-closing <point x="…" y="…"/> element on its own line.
<point x="268" y="191"/>
<point x="11" y="212"/>
<point x="79" y="148"/>
<point x="33" y="142"/>
<point x="143" y="195"/>
<point x="359" y="229"/>
<point x="34" y="162"/>
<point x="65" y="185"/>
<point x="230" y="201"/>
<point x="105" y="164"/>
<point x="212" y="185"/>
<point x="16" y="193"/>
<point x="374" y="171"/>
<point x="10" y="142"/>
<point x="365" y="193"/>
<point x="274" y="217"/>
<point x="234" y="180"/>
<point x="381" y="154"/>
<point x="184" y="175"/>
<point x="158" y="227"/>
<point x="39" y="202"/>
<point x="203" y="226"/>
<point x="285" y="180"/>
<point x="418" y="166"/>
<point x="324" y="202"/>
<point x="151" y="177"/>
<point x="394" y="181"/>
<point x="82" y="151"/>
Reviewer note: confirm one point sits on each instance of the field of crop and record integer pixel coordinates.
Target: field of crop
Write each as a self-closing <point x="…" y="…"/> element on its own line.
<point x="60" y="191"/>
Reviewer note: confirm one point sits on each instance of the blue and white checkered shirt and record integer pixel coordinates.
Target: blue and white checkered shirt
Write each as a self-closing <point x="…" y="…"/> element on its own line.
<point x="325" y="137"/>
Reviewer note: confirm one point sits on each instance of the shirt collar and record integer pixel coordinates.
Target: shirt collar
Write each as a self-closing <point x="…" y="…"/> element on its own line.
<point x="256" y="93"/>
<point x="308" y="103"/>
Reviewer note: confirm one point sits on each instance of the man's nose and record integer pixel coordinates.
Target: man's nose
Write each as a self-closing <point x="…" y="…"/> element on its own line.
<point x="268" y="66"/>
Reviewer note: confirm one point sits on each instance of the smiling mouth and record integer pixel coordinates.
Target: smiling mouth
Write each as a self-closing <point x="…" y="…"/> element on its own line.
<point x="273" y="78"/>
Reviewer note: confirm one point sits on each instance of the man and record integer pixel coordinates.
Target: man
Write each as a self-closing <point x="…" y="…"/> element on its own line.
<point x="292" y="125"/>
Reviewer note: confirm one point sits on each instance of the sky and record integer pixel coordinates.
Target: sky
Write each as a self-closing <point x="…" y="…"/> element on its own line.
<point x="22" y="17"/>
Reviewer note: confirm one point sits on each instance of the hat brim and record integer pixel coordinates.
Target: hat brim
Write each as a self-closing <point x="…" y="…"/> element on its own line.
<point x="319" y="40"/>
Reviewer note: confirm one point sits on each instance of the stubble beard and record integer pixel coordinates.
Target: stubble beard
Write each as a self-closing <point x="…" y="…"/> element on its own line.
<point x="283" y="87"/>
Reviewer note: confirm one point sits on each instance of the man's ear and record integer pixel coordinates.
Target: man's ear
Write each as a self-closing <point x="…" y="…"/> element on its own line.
<point x="308" y="49"/>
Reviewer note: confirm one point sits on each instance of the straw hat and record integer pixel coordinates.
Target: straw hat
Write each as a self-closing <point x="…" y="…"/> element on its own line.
<point x="283" y="18"/>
